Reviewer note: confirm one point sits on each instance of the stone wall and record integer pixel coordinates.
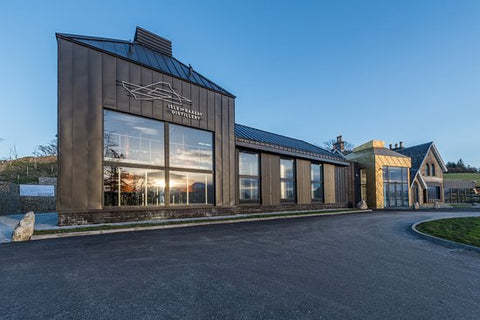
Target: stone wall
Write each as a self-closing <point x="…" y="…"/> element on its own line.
<point x="9" y="198"/>
<point x="11" y="202"/>
<point x="142" y="214"/>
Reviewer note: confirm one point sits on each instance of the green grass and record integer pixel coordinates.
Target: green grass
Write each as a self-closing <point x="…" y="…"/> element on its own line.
<point x="463" y="230"/>
<point x="146" y="224"/>
<point x="463" y="176"/>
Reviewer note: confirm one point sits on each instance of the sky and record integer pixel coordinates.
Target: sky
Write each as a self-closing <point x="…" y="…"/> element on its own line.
<point x="394" y="70"/>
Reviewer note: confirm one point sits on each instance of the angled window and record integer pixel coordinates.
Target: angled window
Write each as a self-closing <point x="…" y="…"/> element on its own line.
<point x="248" y="176"/>
<point x="287" y="180"/>
<point x="317" y="182"/>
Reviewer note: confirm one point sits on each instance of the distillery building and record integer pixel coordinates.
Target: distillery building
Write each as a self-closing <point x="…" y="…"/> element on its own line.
<point x="143" y="136"/>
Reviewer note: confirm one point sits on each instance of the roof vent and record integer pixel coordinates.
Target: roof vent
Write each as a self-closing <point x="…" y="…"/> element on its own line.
<point x="152" y="41"/>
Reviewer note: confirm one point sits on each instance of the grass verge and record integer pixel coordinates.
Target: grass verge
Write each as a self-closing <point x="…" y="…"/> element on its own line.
<point x="462" y="230"/>
<point x="152" y="224"/>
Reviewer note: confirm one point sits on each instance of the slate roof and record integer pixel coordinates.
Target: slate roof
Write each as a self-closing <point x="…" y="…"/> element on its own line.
<point x="417" y="154"/>
<point x="276" y="141"/>
<point x="140" y="54"/>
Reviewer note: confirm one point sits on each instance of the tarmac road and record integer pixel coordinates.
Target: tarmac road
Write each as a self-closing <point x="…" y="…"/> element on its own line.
<point x="354" y="266"/>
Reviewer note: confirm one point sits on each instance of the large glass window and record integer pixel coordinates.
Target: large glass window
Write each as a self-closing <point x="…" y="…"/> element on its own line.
<point x="190" y="188"/>
<point x="142" y="177"/>
<point x="124" y="186"/>
<point x="395" y="186"/>
<point x="249" y="180"/>
<point x="287" y="179"/>
<point x="133" y="139"/>
<point x="190" y="148"/>
<point x="317" y="181"/>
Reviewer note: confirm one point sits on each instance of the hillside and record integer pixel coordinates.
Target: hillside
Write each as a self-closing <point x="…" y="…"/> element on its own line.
<point x="463" y="176"/>
<point x="27" y="170"/>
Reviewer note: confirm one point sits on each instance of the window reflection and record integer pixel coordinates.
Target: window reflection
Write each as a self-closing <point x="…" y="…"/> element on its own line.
<point x="190" y="148"/>
<point x="191" y="188"/>
<point x="125" y="186"/>
<point x="395" y="186"/>
<point x="317" y="182"/>
<point x="287" y="180"/>
<point x="133" y="139"/>
<point x="249" y="189"/>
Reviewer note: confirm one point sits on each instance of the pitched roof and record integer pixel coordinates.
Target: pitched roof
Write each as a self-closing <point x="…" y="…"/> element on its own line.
<point x="256" y="138"/>
<point x="141" y="54"/>
<point x="418" y="153"/>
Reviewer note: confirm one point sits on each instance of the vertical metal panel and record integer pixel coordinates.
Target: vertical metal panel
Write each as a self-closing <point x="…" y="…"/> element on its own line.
<point x="341" y="184"/>
<point x="95" y="131"/>
<point x="202" y="107"/>
<point x="211" y="110"/>
<point x="194" y="96"/>
<point x="109" y="78"/>
<point x="225" y="151"/>
<point x="135" y="77"/>
<point x="65" y="64"/>
<point x="303" y="181"/>
<point x="147" y="106"/>
<point x="168" y="116"/>
<point x="184" y="88"/>
<point x="231" y="142"/>
<point x="270" y="179"/>
<point x="218" y="150"/>
<point x="123" y="101"/>
<point x="157" y="112"/>
<point x="79" y="127"/>
<point x="329" y="182"/>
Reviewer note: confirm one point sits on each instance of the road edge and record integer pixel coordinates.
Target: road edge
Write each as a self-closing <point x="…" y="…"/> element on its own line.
<point x="184" y="225"/>
<point x="441" y="241"/>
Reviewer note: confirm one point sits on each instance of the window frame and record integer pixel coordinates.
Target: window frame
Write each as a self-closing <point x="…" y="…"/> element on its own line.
<point x="165" y="168"/>
<point x="244" y="176"/>
<point x="321" y="181"/>
<point x="292" y="179"/>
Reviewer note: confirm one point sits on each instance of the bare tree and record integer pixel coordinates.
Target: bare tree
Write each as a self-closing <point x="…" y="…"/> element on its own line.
<point x="331" y="142"/>
<point x="49" y="149"/>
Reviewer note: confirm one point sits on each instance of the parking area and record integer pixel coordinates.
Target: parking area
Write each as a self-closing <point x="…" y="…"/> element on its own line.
<point x="354" y="266"/>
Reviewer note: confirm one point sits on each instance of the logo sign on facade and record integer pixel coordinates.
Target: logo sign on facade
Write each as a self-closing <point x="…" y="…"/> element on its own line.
<point x="163" y="91"/>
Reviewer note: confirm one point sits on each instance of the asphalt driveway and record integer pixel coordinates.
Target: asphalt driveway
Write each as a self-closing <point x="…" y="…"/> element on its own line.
<point x="356" y="266"/>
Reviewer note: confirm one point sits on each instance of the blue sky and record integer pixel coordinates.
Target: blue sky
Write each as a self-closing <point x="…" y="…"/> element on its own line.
<point x="389" y="70"/>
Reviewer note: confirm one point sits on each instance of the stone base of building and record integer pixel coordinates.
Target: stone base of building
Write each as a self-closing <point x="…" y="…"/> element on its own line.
<point x="143" y="214"/>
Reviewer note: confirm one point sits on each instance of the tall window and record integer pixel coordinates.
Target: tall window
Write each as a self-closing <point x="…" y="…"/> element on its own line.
<point x="317" y="182"/>
<point x="249" y="179"/>
<point x="135" y="168"/>
<point x="287" y="180"/>
<point x="395" y="186"/>
<point x="191" y="154"/>
<point x="427" y="169"/>
<point x="363" y="184"/>
<point x="432" y="169"/>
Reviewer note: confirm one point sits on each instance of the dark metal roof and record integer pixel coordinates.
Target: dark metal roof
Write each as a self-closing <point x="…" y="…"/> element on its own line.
<point x="141" y="54"/>
<point x="417" y="154"/>
<point x="279" y="142"/>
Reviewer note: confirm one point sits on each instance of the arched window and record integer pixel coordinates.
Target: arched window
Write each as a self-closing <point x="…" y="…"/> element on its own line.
<point x="432" y="169"/>
<point x="427" y="169"/>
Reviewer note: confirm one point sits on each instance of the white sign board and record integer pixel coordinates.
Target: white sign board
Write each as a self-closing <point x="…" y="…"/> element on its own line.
<point x="32" y="190"/>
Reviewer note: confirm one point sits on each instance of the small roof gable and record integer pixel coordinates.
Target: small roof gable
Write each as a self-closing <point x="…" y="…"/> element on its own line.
<point x="418" y="154"/>
<point x="279" y="142"/>
<point x="143" y="54"/>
